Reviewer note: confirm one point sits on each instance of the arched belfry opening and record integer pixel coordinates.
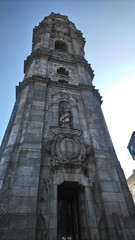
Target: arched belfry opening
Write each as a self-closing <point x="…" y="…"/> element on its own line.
<point x="61" y="46"/>
<point x="68" y="216"/>
<point x="62" y="71"/>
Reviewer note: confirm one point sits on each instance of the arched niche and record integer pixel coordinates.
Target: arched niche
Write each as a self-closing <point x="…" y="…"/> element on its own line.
<point x="61" y="46"/>
<point x="62" y="71"/>
<point x="72" y="110"/>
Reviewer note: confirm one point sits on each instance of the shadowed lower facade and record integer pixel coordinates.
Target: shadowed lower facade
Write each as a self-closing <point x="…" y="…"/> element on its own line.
<point x="60" y="178"/>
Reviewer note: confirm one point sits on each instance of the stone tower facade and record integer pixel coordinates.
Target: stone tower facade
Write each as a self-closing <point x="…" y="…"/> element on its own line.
<point x="59" y="174"/>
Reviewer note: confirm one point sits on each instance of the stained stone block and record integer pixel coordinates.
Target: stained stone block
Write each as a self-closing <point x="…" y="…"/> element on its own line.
<point x="53" y="206"/>
<point x="110" y="166"/>
<point x="52" y="219"/>
<point x="29" y="161"/>
<point x="89" y="194"/>
<point x="109" y="186"/>
<point x="3" y="169"/>
<point x="31" y="151"/>
<point x="21" y="234"/>
<point x="33" y="191"/>
<point x="91" y="210"/>
<point x="95" y="234"/>
<point x="19" y="221"/>
<point x="31" y="221"/>
<point x="101" y="157"/>
<point x="53" y="193"/>
<point x="33" y="138"/>
<point x="25" y="181"/>
<point x="3" y="233"/>
<point x="24" y="170"/>
<point x="124" y="210"/>
<point x="92" y="221"/>
<point x="21" y="191"/>
<point x="36" y="125"/>
<point x="22" y="205"/>
<point x="108" y="175"/>
<point x="101" y="164"/>
<point x="4" y="222"/>
<point x="39" y="109"/>
<point x="37" y="103"/>
<point x="52" y="233"/>
<point x="37" y="118"/>
<point x="1" y="183"/>
<point x="109" y="196"/>
<point x="32" y="146"/>
<point x="110" y="206"/>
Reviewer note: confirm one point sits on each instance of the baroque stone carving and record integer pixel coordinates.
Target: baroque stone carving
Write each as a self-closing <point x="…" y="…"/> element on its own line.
<point x="67" y="148"/>
<point x="65" y="115"/>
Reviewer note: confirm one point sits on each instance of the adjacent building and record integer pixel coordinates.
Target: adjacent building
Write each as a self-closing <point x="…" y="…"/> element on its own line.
<point x="131" y="184"/>
<point x="131" y="145"/>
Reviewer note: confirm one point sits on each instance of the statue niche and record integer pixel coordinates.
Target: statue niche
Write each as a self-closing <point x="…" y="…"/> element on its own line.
<point x="65" y="114"/>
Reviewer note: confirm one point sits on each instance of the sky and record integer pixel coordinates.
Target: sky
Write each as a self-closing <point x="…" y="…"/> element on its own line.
<point x="108" y="27"/>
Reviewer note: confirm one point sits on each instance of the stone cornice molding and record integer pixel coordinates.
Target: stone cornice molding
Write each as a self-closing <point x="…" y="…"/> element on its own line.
<point x="31" y="80"/>
<point x="49" y="82"/>
<point x="57" y="56"/>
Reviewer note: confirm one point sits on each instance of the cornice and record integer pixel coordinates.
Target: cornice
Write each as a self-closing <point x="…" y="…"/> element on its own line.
<point x="47" y="80"/>
<point x="97" y="95"/>
<point x="58" y="56"/>
<point x="29" y="81"/>
<point x="50" y="83"/>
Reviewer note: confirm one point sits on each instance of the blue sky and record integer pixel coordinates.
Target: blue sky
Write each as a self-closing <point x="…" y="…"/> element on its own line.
<point x="108" y="27"/>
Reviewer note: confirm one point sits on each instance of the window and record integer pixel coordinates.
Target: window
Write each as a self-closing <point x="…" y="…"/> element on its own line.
<point x="61" y="45"/>
<point x="62" y="71"/>
<point x="131" y="148"/>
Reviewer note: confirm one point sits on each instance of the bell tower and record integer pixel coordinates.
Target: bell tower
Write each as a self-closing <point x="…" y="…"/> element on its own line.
<point x="60" y="178"/>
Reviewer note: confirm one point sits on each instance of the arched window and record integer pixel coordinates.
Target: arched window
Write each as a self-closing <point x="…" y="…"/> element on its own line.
<point x="61" y="45"/>
<point x="65" y="115"/>
<point x="62" y="71"/>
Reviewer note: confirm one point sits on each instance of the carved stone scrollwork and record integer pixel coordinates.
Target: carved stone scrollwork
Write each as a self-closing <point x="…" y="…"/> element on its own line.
<point x="67" y="148"/>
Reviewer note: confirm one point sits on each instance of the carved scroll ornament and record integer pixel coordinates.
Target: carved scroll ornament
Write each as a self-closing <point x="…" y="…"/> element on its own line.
<point x="67" y="148"/>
